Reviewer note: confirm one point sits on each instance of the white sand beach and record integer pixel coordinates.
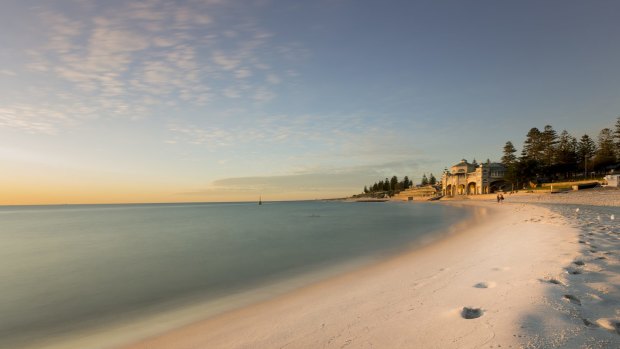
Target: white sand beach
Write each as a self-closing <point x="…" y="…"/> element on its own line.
<point x="532" y="278"/>
<point x="594" y="197"/>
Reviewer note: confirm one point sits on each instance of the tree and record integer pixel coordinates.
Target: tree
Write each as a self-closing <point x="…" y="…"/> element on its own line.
<point x="432" y="180"/>
<point x="365" y="190"/>
<point x="386" y="185"/>
<point x="406" y="183"/>
<point x="532" y="146"/>
<point x="566" y="154"/>
<point x="548" y="141"/>
<point x="606" y="152"/>
<point x="424" y="180"/>
<point x="394" y="183"/>
<point x="509" y="158"/>
<point x="586" y="150"/>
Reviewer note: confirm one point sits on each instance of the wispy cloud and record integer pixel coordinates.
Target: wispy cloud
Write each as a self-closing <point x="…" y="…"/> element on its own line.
<point x="32" y="119"/>
<point x="318" y="182"/>
<point x="125" y="60"/>
<point x="329" y="140"/>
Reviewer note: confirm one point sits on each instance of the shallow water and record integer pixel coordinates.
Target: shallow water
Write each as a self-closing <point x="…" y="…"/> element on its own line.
<point x="68" y="266"/>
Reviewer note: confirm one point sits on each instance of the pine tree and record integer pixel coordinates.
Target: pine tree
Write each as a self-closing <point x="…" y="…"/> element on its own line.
<point x="406" y="182"/>
<point x="432" y="180"/>
<point x="586" y="150"/>
<point x="606" y="152"/>
<point x="365" y="190"/>
<point x="509" y="158"/>
<point x="548" y="141"/>
<point x="394" y="183"/>
<point x="386" y="184"/>
<point x="566" y="154"/>
<point x="424" y="180"/>
<point x="532" y="147"/>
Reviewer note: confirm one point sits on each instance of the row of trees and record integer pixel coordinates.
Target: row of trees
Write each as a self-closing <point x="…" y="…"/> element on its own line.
<point x="547" y="155"/>
<point x="393" y="185"/>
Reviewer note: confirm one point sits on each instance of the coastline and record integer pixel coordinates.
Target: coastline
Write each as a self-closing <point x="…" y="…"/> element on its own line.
<point x="504" y="266"/>
<point x="129" y="326"/>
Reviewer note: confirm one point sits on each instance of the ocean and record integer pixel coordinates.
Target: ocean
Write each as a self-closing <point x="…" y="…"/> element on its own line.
<point x="74" y="268"/>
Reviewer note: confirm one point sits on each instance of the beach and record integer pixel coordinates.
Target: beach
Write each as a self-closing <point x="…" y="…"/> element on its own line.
<point x="600" y="196"/>
<point x="519" y="276"/>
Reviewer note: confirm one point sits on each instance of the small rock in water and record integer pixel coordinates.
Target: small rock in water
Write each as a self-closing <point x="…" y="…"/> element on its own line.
<point x="612" y="217"/>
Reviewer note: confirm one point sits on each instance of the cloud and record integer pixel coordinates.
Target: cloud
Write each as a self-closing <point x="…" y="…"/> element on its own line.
<point x="110" y="58"/>
<point x="215" y="137"/>
<point x="273" y="79"/>
<point x="228" y="63"/>
<point x="304" y="182"/>
<point x="305" y="143"/>
<point x="7" y="72"/>
<point x="318" y="183"/>
<point x="243" y="73"/>
<point x="32" y="119"/>
<point x="262" y="94"/>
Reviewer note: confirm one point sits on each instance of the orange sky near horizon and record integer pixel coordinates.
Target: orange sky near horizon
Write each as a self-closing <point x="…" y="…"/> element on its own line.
<point x="42" y="194"/>
<point x="40" y="188"/>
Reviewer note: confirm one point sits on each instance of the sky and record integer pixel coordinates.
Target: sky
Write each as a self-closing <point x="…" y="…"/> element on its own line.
<point x="224" y="100"/>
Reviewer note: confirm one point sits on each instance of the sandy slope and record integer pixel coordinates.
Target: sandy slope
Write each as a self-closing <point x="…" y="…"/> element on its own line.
<point x="503" y="266"/>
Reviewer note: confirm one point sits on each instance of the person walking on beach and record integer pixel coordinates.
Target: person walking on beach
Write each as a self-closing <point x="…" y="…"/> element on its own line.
<point x="501" y="198"/>
<point x="498" y="198"/>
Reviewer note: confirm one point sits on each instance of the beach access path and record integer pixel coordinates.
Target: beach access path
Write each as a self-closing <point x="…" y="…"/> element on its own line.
<point x="513" y="266"/>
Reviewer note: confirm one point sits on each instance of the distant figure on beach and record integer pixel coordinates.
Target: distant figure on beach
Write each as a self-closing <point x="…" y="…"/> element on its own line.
<point x="498" y="198"/>
<point x="501" y="198"/>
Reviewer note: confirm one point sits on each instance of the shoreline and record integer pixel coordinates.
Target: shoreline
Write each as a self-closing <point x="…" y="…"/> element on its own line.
<point x="502" y="266"/>
<point x="168" y="316"/>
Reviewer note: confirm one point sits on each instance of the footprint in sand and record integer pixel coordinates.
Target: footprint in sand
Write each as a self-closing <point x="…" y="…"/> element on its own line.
<point x="501" y="269"/>
<point x="589" y="323"/>
<point x="579" y="263"/>
<point x="609" y="324"/>
<point x="572" y="299"/>
<point x="471" y="313"/>
<point x="573" y="271"/>
<point x="554" y="281"/>
<point x="485" y="284"/>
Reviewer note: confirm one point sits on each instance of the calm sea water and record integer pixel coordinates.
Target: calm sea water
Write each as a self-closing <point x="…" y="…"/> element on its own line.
<point x="67" y="266"/>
